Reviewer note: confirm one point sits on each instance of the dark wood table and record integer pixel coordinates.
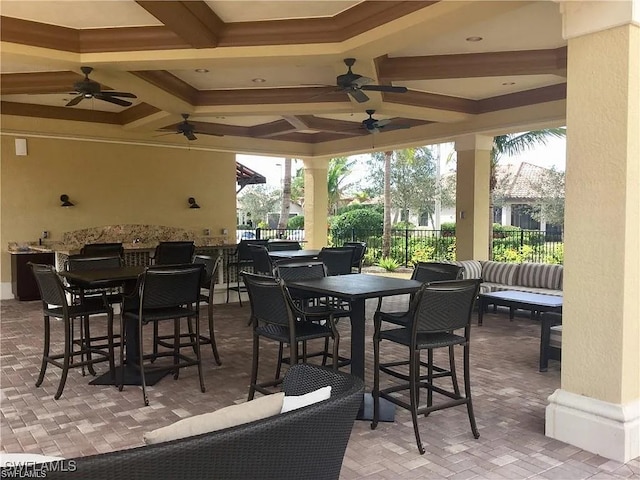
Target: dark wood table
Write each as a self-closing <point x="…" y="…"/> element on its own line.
<point x="355" y="289"/>
<point x="293" y="254"/>
<point x="535" y="302"/>
<point x="126" y="277"/>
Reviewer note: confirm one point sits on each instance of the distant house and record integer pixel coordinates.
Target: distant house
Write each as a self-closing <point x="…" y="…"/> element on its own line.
<point x="516" y="192"/>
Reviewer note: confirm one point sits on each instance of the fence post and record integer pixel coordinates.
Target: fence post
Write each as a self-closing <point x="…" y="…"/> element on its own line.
<point x="406" y="247"/>
<point x="353" y="234"/>
<point x="258" y="233"/>
<point x="521" y="238"/>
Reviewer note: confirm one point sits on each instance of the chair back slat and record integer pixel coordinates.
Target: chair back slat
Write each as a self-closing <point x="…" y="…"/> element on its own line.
<point x="426" y="272"/>
<point x="337" y="259"/>
<point x="445" y="306"/>
<point x="49" y="284"/>
<point x="173" y="253"/>
<point x="170" y="285"/>
<point x="268" y="299"/>
<point x="359" y="249"/>
<point x="103" y="249"/>
<point x="291" y="272"/>
<point x="82" y="262"/>
<point x="283" y="245"/>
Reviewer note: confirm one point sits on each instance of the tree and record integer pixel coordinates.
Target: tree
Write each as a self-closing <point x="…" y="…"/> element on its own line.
<point x="338" y="171"/>
<point x="285" y="205"/>
<point x="386" y="227"/>
<point x="259" y="200"/>
<point x="551" y="205"/>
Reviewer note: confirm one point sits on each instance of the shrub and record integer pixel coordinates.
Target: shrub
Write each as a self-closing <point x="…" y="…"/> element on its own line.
<point x="296" y="223"/>
<point x="404" y="226"/>
<point x="448" y="229"/>
<point x="388" y="263"/>
<point x="360" y="219"/>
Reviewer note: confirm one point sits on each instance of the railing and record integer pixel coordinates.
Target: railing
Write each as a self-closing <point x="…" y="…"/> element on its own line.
<point x="410" y="246"/>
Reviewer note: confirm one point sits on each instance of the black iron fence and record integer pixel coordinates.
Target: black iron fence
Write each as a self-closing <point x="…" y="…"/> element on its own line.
<point x="410" y="246"/>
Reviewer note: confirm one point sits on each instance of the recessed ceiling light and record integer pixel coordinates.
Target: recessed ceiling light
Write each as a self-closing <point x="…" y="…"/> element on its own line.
<point x="508" y="83"/>
<point x="258" y="80"/>
<point x="474" y="39"/>
<point x="202" y="70"/>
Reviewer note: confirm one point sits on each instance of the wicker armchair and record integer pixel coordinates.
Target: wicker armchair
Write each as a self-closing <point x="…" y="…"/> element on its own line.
<point x="304" y="444"/>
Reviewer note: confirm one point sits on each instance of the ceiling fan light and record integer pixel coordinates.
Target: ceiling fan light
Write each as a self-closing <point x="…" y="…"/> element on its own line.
<point x="88" y="95"/>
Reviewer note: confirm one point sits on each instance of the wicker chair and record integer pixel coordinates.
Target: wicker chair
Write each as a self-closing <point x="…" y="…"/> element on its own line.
<point x="440" y="309"/>
<point x="359" y="249"/>
<point x="304" y="444"/>
<point x="54" y="304"/>
<point x="173" y="253"/>
<point x="275" y="316"/>
<point x="168" y="292"/>
<point x="283" y="245"/>
<point x="337" y="259"/>
<point x="261" y="261"/>
<point x="237" y="260"/>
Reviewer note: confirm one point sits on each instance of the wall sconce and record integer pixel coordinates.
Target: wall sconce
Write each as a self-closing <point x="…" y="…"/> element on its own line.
<point x="192" y="203"/>
<point x="64" y="198"/>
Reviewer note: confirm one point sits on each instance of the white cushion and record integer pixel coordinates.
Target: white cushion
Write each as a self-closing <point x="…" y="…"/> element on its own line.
<point x="293" y="402"/>
<point x="15" y="459"/>
<point x="231" y="416"/>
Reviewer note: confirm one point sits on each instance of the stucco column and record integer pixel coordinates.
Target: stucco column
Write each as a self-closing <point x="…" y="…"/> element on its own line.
<point x="316" y="202"/>
<point x="472" y="197"/>
<point x="597" y="407"/>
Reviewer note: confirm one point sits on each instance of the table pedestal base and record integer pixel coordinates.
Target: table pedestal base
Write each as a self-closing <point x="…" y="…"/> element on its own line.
<point x="387" y="409"/>
<point x="131" y="377"/>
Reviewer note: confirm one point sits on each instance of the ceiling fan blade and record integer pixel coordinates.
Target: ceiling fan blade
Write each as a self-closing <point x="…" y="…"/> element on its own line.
<point x="361" y="81"/>
<point x="190" y="136"/>
<point x="358" y="95"/>
<point x="395" y="127"/>
<point x="383" y="122"/>
<point x="118" y="94"/>
<point x="384" y="88"/>
<point x="117" y="101"/>
<point x="75" y="101"/>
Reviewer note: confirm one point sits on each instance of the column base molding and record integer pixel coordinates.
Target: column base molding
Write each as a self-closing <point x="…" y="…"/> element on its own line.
<point x="607" y="429"/>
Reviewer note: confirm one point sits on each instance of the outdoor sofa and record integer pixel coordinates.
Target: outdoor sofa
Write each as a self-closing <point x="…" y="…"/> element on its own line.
<point x="307" y="443"/>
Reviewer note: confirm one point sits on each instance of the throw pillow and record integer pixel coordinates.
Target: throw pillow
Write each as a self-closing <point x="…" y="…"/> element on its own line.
<point x="231" y="416"/>
<point x="293" y="402"/>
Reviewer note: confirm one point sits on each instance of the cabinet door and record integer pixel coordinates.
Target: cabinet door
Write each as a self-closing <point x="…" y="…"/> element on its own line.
<point x="23" y="283"/>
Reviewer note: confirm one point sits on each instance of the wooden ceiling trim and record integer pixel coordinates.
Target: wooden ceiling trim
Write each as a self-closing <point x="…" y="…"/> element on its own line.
<point x="271" y="129"/>
<point x="432" y="100"/>
<point x="98" y="40"/>
<point x="527" y="62"/>
<point x="38" y="82"/>
<point x="296" y="137"/>
<point x="58" y="113"/>
<point x="220" y="129"/>
<point x="296" y="121"/>
<point x="340" y="127"/>
<point x="169" y="83"/>
<point x="270" y="96"/>
<point x="191" y="23"/>
<point x="25" y="32"/>
<point x="521" y="99"/>
<point x="136" y="112"/>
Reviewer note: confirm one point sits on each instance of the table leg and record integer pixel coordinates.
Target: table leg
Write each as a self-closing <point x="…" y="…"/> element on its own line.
<point x="481" y="307"/>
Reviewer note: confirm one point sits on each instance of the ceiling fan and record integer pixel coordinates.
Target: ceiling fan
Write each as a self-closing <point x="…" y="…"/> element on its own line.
<point x="376" y="126"/>
<point x="87" y="88"/>
<point x="354" y="84"/>
<point x="189" y="129"/>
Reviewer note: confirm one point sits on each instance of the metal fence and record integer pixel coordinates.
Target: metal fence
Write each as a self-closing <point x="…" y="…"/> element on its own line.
<point x="410" y="246"/>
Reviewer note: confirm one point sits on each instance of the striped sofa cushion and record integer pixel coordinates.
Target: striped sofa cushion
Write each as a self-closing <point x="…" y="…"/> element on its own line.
<point x="555" y="337"/>
<point x="540" y="275"/>
<point x="472" y="268"/>
<point x="500" y="272"/>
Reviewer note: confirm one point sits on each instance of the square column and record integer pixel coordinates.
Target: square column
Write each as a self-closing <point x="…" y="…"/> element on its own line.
<point x="316" y="202"/>
<point x="473" y="215"/>
<point x="597" y="407"/>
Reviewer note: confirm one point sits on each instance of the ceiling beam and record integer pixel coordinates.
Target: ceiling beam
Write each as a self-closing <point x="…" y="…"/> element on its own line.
<point x="38" y="82"/>
<point x="339" y="127"/>
<point x="469" y="65"/>
<point x="272" y="129"/>
<point x="296" y="121"/>
<point x="192" y="21"/>
<point x="58" y="113"/>
<point x="270" y="96"/>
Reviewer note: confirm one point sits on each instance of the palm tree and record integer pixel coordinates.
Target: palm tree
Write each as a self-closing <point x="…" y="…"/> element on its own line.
<point x="286" y="196"/>
<point x="516" y="143"/>
<point x="339" y="170"/>
<point x="386" y="228"/>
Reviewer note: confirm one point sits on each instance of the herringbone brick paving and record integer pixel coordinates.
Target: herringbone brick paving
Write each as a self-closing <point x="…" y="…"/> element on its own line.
<point x="509" y="395"/>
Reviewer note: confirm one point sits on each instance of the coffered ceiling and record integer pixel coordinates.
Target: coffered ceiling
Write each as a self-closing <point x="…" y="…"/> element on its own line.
<point x="261" y="76"/>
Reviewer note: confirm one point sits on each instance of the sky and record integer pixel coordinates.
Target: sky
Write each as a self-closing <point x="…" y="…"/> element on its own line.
<point x="551" y="155"/>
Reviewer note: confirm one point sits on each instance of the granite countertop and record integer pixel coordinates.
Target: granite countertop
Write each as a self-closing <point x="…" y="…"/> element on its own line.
<point x="16" y="248"/>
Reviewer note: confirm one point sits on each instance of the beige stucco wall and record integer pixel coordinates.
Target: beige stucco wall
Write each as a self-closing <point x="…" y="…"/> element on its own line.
<point x="110" y="183"/>
<point x="601" y="336"/>
<point x="316" y="202"/>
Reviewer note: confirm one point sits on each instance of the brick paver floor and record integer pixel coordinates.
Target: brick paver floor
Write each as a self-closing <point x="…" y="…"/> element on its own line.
<point x="509" y="395"/>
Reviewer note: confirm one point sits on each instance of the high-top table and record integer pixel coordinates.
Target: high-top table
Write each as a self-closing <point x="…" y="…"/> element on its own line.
<point x="293" y="254"/>
<point x="355" y="289"/>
